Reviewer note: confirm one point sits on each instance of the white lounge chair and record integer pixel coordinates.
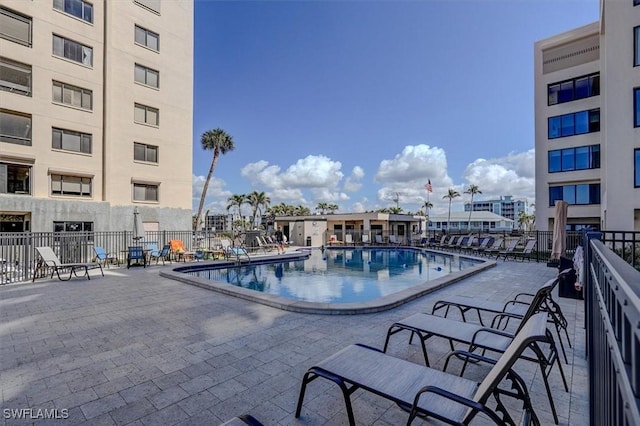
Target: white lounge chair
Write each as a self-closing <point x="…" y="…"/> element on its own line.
<point x="50" y="259"/>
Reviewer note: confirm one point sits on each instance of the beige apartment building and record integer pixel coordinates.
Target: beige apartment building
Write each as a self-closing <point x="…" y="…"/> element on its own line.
<point x="96" y="112"/>
<point x="587" y="131"/>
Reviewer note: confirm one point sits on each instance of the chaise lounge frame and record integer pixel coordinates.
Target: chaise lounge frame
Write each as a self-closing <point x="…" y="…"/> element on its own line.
<point x="424" y="391"/>
<point x="492" y="339"/>
<point x="50" y="259"/>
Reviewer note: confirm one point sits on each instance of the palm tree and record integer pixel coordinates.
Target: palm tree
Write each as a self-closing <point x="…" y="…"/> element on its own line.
<point x="301" y="210"/>
<point x="450" y="195"/>
<point x="395" y="210"/>
<point x="237" y="200"/>
<point x="473" y="190"/>
<point x="219" y="142"/>
<point x="258" y="200"/>
<point x="332" y="208"/>
<point x="322" y="207"/>
<point x="428" y="205"/>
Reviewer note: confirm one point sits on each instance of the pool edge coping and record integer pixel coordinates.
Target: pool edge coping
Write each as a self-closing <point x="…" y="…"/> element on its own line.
<point x="384" y="303"/>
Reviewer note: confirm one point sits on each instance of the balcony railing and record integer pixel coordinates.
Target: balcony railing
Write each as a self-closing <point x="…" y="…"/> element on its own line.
<point x="612" y="311"/>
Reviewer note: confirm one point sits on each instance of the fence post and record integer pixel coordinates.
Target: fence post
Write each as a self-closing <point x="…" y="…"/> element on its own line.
<point x="588" y="313"/>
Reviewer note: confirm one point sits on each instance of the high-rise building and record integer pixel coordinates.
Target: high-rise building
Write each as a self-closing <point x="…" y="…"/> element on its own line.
<point x="505" y="206"/>
<point x="587" y="108"/>
<point x="96" y="112"/>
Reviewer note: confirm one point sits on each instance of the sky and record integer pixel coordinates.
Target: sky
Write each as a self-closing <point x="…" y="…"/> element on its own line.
<point x="359" y="103"/>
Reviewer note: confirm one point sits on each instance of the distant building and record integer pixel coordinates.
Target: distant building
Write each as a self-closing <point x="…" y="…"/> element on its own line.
<point x="587" y="121"/>
<point x="504" y="206"/>
<point x="480" y="222"/>
<point x="217" y="222"/>
<point x="96" y="114"/>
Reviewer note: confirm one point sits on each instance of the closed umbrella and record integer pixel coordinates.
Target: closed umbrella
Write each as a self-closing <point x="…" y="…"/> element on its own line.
<point x="138" y="230"/>
<point x="559" y="229"/>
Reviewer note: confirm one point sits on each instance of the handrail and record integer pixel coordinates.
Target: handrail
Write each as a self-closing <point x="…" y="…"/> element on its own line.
<point x="612" y="308"/>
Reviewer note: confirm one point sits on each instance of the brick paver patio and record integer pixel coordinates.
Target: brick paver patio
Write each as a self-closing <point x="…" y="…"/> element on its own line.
<point x="133" y="348"/>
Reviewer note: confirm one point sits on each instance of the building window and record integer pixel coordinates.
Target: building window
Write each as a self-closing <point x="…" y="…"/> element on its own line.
<point x="69" y="140"/>
<point x="574" y="89"/>
<point x="636" y="46"/>
<point x="72" y="95"/>
<point x="15" y="26"/>
<point x="71" y="186"/>
<point x="636" y="168"/>
<point x="147" y="153"/>
<point x="147" y="38"/>
<point x="575" y="123"/>
<point x="636" y="107"/>
<point x="69" y="226"/>
<point x="72" y="50"/>
<point x="14" y="178"/>
<point x="145" y="115"/>
<point x="15" y="127"/>
<point x="78" y="8"/>
<point x="145" y="192"/>
<point x="579" y="158"/>
<point x="147" y="76"/>
<point x="15" y="77"/>
<point x="153" y="5"/>
<point x="588" y="193"/>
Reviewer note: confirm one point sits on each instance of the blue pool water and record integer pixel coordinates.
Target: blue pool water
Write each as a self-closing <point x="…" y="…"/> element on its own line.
<point x="341" y="275"/>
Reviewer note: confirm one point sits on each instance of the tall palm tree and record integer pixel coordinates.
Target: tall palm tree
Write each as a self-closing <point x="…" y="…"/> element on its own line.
<point x="219" y="142"/>
<point x="257" y="200"/>
<point x="473" y="190"/>
<point x="450" y="195"/>
<point x="395" y="210"/>
<point x="428" y="205"/>
<point x="332" y="208"/>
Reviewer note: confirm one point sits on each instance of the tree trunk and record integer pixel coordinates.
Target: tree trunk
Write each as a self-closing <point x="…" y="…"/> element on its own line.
<point x="214" y="161"/>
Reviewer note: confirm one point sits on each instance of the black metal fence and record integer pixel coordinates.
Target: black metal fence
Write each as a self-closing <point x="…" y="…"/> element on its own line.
<point x="18" y="256"/>
<point x="612" y="311"/>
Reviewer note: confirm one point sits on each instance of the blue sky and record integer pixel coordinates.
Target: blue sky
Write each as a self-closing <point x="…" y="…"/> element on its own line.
<point x="353" y="102"/>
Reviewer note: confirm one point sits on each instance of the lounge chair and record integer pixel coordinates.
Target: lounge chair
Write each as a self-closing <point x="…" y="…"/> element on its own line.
<point x="515" y="308"/>
<point x="480" y="247"/>
<point x="137" y="254"/>
<point x="164" y="254"/>
<point x="525" y="253"/>
<point x="179" y="251"/>
<point x="379" y="240"/>
<point x="437" y="244"/>
<point x="365" y="240"/>
<point x="102" y="256"/>
<point x="451" y="243"/>
<point x="49" y="258"/>
<point x="333" y="241"/>
<point x="494" y="248"/>
<point x="511" y="246"/>
<point x="485" y="338"/>
<point x="466" y="243"/>
<point x="263" y="245"/>
<point x="234" y="253"/>
<point x="348" y="239"/>
<point x="429" y="392"/>
<point x="394" y="240"/>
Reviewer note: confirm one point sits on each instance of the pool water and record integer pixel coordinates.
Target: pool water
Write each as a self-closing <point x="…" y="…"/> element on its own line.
<point x="341" y="275"/>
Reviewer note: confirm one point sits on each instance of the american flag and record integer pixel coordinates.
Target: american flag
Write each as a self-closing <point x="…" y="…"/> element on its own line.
<point x="428" y="186"/>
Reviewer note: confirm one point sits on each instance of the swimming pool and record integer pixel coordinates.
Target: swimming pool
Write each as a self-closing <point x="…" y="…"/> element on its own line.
<point x="336" y="279"/>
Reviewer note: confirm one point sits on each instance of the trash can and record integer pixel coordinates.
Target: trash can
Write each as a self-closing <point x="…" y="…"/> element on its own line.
<point x="566" y="286"/>
<point x="308" y="241"/>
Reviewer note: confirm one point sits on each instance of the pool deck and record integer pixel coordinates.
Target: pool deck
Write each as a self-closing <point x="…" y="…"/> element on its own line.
<point x="135" y="348"/>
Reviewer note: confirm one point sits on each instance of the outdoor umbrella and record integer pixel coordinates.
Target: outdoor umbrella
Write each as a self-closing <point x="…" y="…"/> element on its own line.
<point x="138" y="230"/>
<point x="559" y="229"/>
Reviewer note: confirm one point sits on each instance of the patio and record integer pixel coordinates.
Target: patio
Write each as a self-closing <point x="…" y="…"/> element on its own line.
<point x="136" y="348"/>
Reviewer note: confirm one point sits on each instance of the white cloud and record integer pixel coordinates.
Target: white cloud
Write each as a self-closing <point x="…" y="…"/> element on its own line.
<point x="217" y="195"/>
<point x="352" y="183"/>
<point x="513" y="175"/>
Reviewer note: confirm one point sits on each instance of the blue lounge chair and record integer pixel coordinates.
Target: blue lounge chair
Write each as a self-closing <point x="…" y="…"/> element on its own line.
<point x="103" y="257"/>
<point x="136" y="254"/>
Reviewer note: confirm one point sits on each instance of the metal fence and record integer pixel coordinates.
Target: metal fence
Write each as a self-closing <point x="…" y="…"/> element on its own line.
<point x="19" y="259"/>
<point x="612" y="311"/>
